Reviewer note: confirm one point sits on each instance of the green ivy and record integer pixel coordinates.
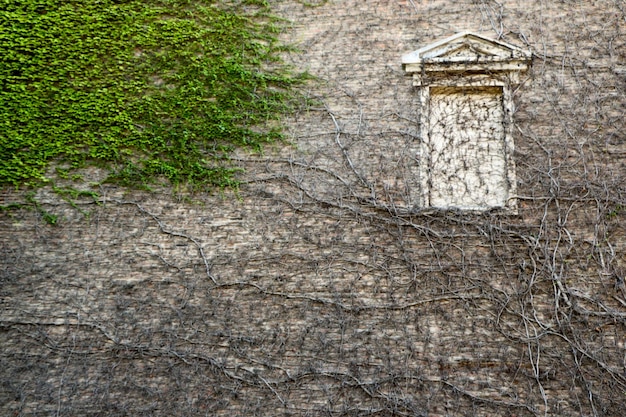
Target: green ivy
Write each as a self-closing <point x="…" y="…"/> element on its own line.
<point x="151" y="90"/>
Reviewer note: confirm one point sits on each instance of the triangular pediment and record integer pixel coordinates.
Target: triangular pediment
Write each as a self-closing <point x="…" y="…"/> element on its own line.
<point x="466" y="51"/>
<point x="466" y="47"/>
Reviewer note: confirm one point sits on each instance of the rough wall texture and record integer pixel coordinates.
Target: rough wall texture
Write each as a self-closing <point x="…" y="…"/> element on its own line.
<point x="314" y="291"/>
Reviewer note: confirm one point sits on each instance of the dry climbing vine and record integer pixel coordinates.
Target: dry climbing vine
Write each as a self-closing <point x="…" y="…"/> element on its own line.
<point x="323" y="290"/>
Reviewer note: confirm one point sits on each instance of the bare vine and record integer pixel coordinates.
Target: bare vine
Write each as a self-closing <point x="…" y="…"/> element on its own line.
<point x="321" y="287"/>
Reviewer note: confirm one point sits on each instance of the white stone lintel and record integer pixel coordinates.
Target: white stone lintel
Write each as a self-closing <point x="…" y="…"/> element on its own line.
<point x="465" y="79"/>
<point x="467" y="53"/>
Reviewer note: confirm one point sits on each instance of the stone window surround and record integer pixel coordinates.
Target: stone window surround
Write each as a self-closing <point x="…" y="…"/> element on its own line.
<point x="466" y="60"/>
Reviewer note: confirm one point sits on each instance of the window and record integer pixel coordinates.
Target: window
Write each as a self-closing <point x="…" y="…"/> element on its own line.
<point x="465" y="149"/>
<point x="466" y="145"/>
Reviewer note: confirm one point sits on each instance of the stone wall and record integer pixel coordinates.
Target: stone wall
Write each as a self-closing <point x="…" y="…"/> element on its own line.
<point x="313" y="290"/>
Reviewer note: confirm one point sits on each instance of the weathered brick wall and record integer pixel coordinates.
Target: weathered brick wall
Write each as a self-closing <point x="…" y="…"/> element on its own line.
<point x="312" y="291"/>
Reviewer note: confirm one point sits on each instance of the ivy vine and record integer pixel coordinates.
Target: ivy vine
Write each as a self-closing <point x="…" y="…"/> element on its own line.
<point x="153" y="91"/>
